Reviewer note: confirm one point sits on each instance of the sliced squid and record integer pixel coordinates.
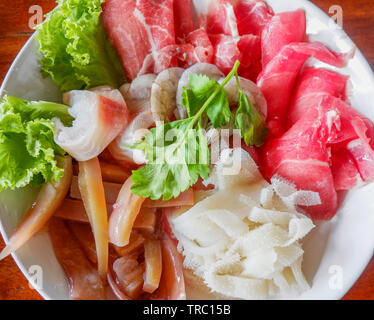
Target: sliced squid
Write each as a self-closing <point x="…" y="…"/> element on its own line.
<point x="163" y="94"/>
<point x="137" y="94"/>
<point x="250" y="89"/>
<point x="125" y="212"/>
<point x="100" y="115"/>
<point x="153" y="265"/>
<point x="92" y="191"/>
<point x="207" y="69"/>
<point x="50" y="197"/>
<point x="135" y="132"/>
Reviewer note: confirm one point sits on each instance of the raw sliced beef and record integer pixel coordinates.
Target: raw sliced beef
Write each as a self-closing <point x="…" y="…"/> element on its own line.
<point x="301" y="156"/>
<point x="252" y="16"/>
<point x="284" y="28"/>
<point x="277" y="80"/>
<point x="246" y="49"/>
<point x="183" y="20"/>
<point x="198" y="49"/>
<point x="311" y="85"/>
<point x="220" y="19"/>
<point x="138" y="31"/>
<point x="344" y="170"/>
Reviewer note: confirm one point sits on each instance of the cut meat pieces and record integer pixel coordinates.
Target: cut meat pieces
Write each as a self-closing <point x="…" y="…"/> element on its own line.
<point x="221" y="19"/>
<point x="277" y="80"/>
<point x="311" y="85"/>
<point x="301" y="156"/>
<point x="252" y="16"/>
<point x="198" y="48"/>
<point x="138" y="31"/>
<point x="246" y="49"/>
<point x="183" y="20"/>
<point x="284" y="28"/>
<point x="344" y="170"/>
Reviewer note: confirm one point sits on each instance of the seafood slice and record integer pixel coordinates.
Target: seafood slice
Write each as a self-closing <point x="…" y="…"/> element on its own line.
<point x="207" y="69"/>
<point x="49" y="199"/>
<point x="163" y="94"/>
<point x="125" y="211"/>
<point x="100" y="115"/>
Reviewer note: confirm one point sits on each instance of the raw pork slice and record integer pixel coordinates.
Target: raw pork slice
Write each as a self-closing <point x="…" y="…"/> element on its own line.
<point x="139" y="30"/>
<point x="246" y="49"/>
<point x="301" y="156"/>
<point x="284" y="28"/>
<point x="252" y="16"/>
<point x="277" y="80"/>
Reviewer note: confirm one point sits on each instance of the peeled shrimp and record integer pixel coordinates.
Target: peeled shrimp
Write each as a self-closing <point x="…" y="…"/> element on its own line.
<point x="137" y="94"/>
<point x="250" y="89"/>
<point x="163" y="94"/>
<point x="125" y="211"/>
<point x="134" y="133"/>
<point x="100" y="115"/>
<point x="207" y="69"/>
<point x="49" y="199"/>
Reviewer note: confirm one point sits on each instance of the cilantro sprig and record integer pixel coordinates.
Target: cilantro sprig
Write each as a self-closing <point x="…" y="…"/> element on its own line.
<point x="178" y="152"/>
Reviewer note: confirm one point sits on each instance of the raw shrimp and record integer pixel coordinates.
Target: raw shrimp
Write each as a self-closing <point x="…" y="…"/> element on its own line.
<point x="163" y="94"/>
<point x="250" y="89"/>
<point x="207" y="69"/>
<point x="134" y="133"/>
<point x="137" y="94"/>
<point x="100" y="115"/>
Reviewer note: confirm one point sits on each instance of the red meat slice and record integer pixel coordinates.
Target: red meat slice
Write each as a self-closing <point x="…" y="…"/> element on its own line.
<point x="277" y="80"/>
<point x="252" y="16"/>
<point x="220" y="19"/>
<point x="246" y="49"/>
<point x="301" y="156"/>
<point x="311" y="85"/>
<point x="284" y="28"/>
<point x="138" y="31"/>
<point x="183" y="20"/>
<point x="344" y="170"/>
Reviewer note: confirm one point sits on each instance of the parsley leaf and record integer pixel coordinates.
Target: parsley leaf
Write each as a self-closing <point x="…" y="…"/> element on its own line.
<point x="249" y="121"/>
<point x="177" y="156"/>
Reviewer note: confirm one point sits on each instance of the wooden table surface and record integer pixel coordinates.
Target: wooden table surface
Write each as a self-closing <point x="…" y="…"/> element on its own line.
<point x="15" y="30"/>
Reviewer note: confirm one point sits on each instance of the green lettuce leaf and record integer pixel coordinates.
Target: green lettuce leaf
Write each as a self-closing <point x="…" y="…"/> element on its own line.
<point x="75" y="50"/>
<point x="27" y="147"/>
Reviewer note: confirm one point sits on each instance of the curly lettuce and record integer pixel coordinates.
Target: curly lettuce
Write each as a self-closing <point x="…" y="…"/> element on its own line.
<point x="74" y="48"/>
<point x="27" y="148"/>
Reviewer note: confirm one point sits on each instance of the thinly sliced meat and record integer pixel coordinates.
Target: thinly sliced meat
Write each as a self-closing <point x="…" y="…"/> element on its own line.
<point x="246" y="49"/>
<point x="301" y="156"/>
<point x="84" y="280"/>
<point x="138" y="31"/>
<point x="361" y="149"/>
<point x="99" y="117"/>
<point x="344" y="170"/>
<point x="252" y="16"/>
<point x="85" y="237"/>
<point x="277" y="80"/>
<point x="198" y="49"/>
<point x="183" y="20"/>
<point x="220" y="19"/>
<point x="311" y="85"/>
<point x="283" y="28"/>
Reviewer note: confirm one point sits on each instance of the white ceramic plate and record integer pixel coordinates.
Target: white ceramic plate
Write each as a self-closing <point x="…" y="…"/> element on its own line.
<point x="336" y="252"/>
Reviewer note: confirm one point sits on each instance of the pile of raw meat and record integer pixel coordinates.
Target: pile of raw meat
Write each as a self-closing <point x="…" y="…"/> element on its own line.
<point x="316" y="139"/>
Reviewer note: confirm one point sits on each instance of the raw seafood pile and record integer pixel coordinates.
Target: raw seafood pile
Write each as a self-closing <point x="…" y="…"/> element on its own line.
<point x="118" y="216"/>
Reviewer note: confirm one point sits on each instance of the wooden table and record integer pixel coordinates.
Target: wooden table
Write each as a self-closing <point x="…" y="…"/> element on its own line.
<point x="14" y="31"/>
